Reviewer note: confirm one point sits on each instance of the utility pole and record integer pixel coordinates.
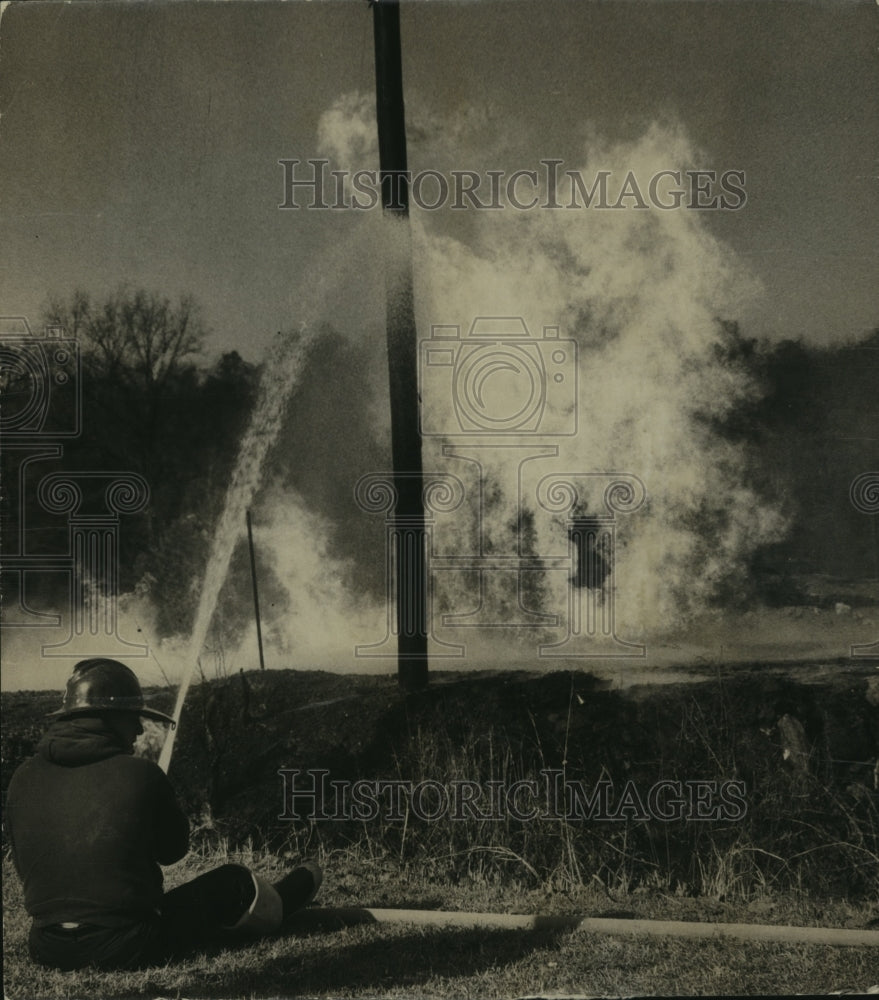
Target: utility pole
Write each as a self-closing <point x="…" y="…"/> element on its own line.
<point x="409" y="560"/>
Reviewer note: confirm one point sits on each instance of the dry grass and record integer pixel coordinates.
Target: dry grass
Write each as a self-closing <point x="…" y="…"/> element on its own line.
<point x="806" y="853"/>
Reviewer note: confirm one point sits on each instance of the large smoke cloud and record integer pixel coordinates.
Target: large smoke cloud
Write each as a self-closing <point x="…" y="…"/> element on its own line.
<point x="641" y="291"/>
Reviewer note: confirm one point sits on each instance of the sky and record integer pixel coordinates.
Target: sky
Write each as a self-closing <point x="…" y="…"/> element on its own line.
<point x="141" y="145"/>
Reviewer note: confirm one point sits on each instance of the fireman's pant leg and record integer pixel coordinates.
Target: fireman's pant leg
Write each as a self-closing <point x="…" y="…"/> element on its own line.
<point x="222" y="903"/>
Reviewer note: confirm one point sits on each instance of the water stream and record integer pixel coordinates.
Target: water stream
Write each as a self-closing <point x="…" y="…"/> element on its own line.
<point x="281" y="375"/>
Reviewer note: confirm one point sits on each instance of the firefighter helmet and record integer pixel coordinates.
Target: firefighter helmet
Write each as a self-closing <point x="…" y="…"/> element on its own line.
<point x="105" y="685"/>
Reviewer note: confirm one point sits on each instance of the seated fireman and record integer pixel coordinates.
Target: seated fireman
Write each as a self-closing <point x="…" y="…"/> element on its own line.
<point x="89" y="825"/>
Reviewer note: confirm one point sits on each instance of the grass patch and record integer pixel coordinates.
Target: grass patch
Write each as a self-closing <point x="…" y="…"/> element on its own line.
<point x="811" y="822"/>
<point x="805" y="852"/>
<point x="396" y="961"/>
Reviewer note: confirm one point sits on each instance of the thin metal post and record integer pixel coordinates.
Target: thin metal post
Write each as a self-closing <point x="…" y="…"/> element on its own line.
<point x="262" y="662"/>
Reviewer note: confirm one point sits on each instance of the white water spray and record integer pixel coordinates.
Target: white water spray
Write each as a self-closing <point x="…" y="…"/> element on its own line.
<point x="640" y="292"/>
<point x="282" y="373"/>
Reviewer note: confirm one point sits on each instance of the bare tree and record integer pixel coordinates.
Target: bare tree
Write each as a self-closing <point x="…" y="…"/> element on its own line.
<point x="133" y="335"/>
<point x="140" y="385"/>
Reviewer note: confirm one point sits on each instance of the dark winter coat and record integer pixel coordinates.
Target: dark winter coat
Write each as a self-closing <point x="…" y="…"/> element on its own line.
<point x="89" y="825"/>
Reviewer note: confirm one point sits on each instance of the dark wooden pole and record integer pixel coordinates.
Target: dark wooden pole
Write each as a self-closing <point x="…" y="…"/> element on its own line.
<point x="262" y="662"/>
<point x="409" y="558"/>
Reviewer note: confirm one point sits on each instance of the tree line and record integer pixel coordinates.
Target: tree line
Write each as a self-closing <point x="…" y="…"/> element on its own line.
<point x="152" y="403"/>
